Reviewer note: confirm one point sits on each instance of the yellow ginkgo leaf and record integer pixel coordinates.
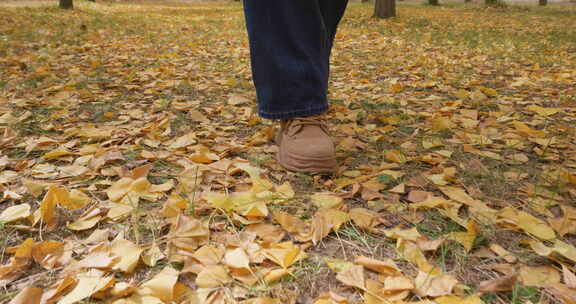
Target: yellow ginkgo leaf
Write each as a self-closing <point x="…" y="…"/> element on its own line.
<point x="14" y="213"/>
<point x="326" y="201"/>
<point x="385" y="267"/>
<point x="183" y="141"/>
<point x="89" y="283"/>
<point x="77" y="199"/>
<point x="50" y="254"/>
<point x="353" y="276"/>
<point x="284" y="254"/>
<point x="56" y="154"/>
<point x="542" y="111"/>
<point x="411" y="234"/>
<point x="100" y="257"/>
<point x="467" y="238"/>
<point x="151" y="256"/>
<point x="338" y="265"/>
<point x="434" y="285"/>
<point x="161" y="286"/>
<point x="412" y="253"/>
<point x="129" y="254"/>
<point x="286" y="191"/>
<point x="535" y="226"/>
<point x="213" y="276"/>
<point x="473" y="299"/>
<point x="53" y="197"/>
<point x="84" y="223"/>
<point x="28" y="295"/>
<point x="119" y="189"/>
<point x="440" y="123"/>
<point x="220" y="201"/>
<point x="325" y="221"/>
<point x="209" y="255"/>
<point x="237" y="258"/>
<point x="538" y="276"/>
<point x="397" y="283"/>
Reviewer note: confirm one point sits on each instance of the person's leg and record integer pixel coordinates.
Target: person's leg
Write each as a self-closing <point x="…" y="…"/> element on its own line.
<point x="288" y="44"/>
<point x="332" y="12"/>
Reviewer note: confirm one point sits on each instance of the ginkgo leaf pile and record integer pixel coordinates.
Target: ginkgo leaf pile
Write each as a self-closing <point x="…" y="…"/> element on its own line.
<point x="134" y="169"/>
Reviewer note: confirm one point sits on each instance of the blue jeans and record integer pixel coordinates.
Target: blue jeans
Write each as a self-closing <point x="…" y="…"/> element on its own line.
<point x="290" y="46"/>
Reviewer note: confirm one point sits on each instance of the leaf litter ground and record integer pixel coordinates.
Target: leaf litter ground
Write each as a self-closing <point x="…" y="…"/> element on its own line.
<point x="134" y="169"/>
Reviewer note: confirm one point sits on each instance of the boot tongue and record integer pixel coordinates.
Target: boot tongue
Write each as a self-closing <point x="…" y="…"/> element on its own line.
<point x="297" y="125"/>
<point x="294" y="129"/>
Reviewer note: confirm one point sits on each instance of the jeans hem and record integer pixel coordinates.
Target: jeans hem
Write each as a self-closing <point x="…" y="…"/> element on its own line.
<point x="293" y="114"/>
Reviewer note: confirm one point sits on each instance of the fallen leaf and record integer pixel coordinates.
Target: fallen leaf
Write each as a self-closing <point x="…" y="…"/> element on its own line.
<point x="411" y="234"/>
<point x="89" y="283"/>
<point x="364" y="218"/>
<point x="48" y="204"/>
<point x="209" y="255"/>
<point x="325" y="221"/>
<point x="237" y="100"/>
<point x="128" y="253"/>
<point x="99" y="257"/>
<point x="539" y="276"/>
<point x="188" y="233"/>
<point x="50" y="254"/>
<point x="568" y="276"/>
<point x="326" y="201"/>
<point x="28" y="295"/>
<point x="284" y="254"/>
<point x="330" y="298"/>
<point x="212" y="277"/>
<point x="183" y="141"/>
<point x="338" y="265"/>
<point x="535" y="226"/>
<point x="466" y="238"/>
<point x="542" y="111"/>
<point x="386" y="267"/>
<point x="393" y="284"/>
<point x="473" y="299"/>
<point x="501" y="252"/>
<point x="15" y="213"/>
<point x="506" y="283"/>
<point x="431" y="285"/>
<point x="353" y="276"/>
<point x="410" y="252"/>
<point x="563" y="292"/>
<point x="152" y="255"/>
<point x="237" y="258"/>
<point x="160" y="286"/>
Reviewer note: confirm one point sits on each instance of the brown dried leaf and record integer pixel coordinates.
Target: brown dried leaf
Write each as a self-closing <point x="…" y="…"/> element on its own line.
<point x="386" y="267"/>
<point x="506" y="283"/>
<point x="28" y="295"/>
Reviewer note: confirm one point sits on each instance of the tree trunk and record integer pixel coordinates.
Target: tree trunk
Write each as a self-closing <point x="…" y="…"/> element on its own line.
<point x="67" y="4"/>
<point x="543" y="2"/>
<point x="385" y="8"/>
<point x="433" y="2"/>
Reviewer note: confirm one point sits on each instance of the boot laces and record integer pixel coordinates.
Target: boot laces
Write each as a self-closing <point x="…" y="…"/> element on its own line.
<point x="295" y="125"/>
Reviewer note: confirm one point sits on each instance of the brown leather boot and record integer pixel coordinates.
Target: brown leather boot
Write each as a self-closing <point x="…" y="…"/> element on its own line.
<point x="305" y="146"/>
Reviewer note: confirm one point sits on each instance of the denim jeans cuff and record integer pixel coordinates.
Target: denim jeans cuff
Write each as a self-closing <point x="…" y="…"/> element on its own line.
<point x="294" y="114"/>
